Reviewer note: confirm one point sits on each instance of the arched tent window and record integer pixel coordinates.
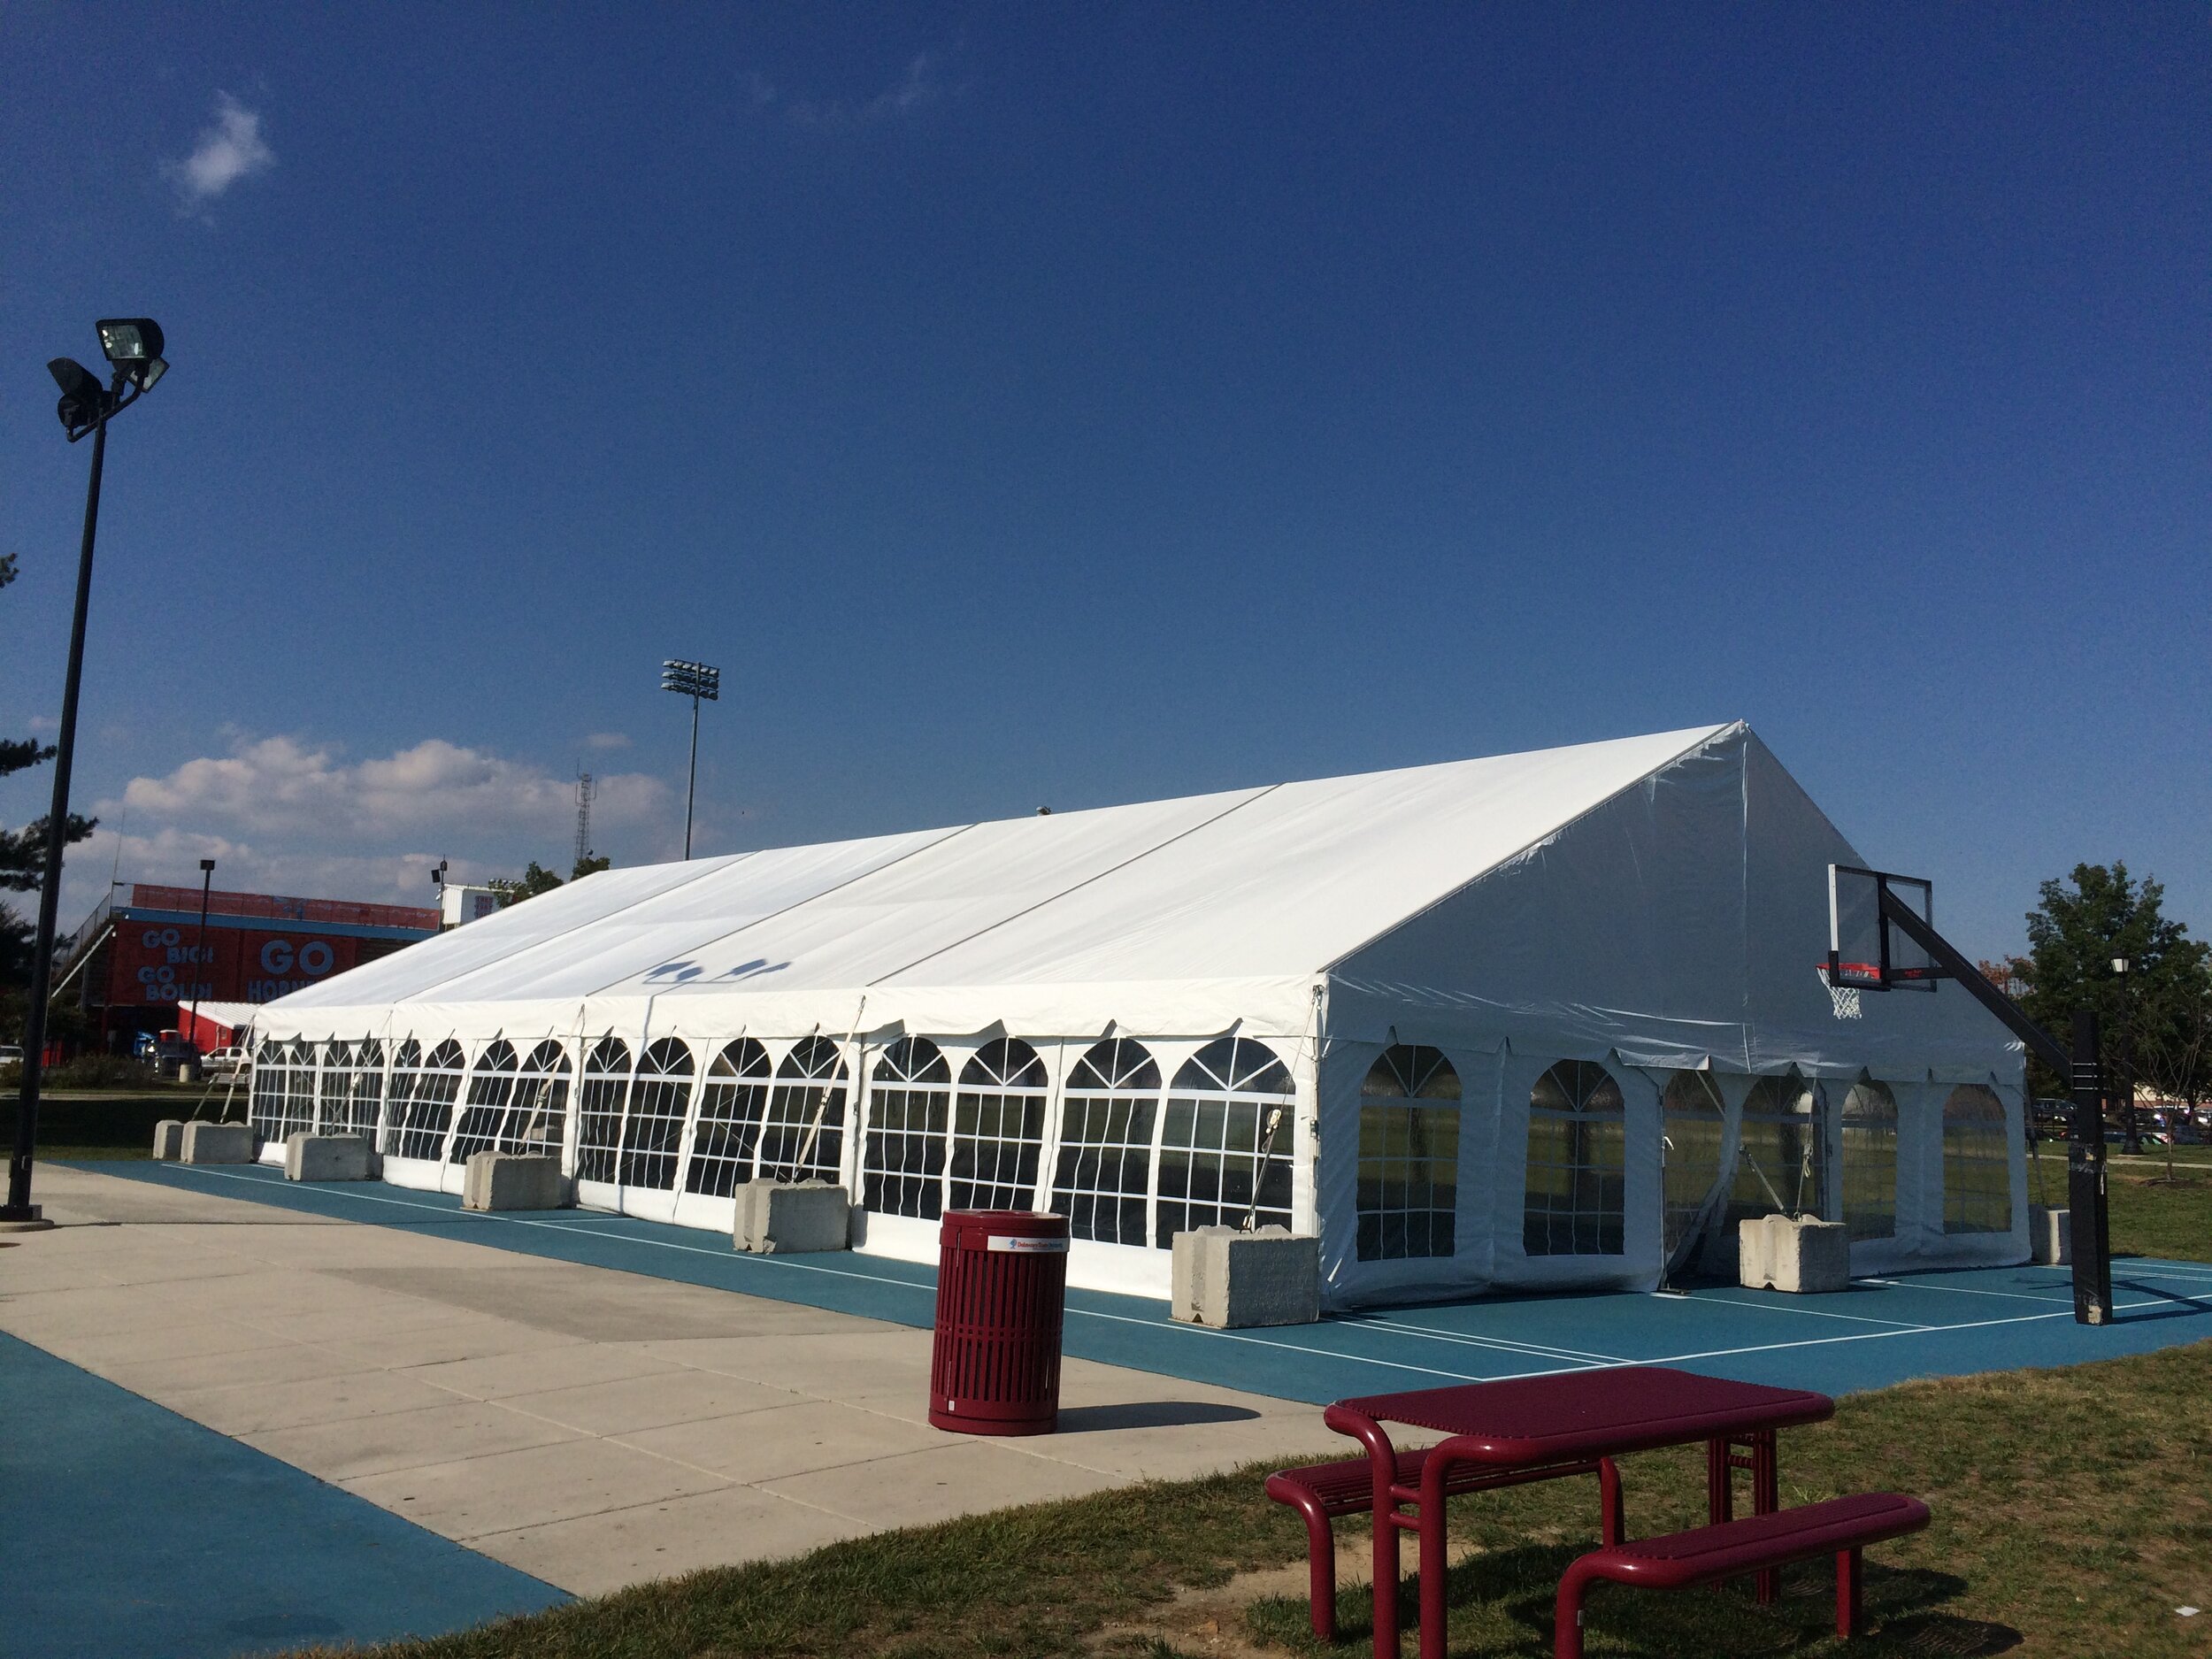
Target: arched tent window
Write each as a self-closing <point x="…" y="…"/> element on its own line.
<point x="909" y="1108"/>
<point x="1225" y="1143"/>
<point x="1409" y="1155"/>
<point x="998" y="1127"/>
<point x="299" y="1095"/>
<point x="1782" y="1158"/>
<point x="1870" y="1160"/>
<point x="605" y="1092"/>
<point x="406" y="1073"/>
<point x="1977" y="1162"/>
<point x="265" y="1107"/>
<point x="537" y="1121"/>
<point x="1107" y="1115"/>
<point x="424" y="1110"/>
<point x="1694" y="1119"/>
<point x="653" y="1133"/>
<point x="803" y="1135"/>
<point x="731" y="1102"/>
<point x="334" y="1090"/>
<point x="1576" y="1190"/>
<point x="491" y="1091"/>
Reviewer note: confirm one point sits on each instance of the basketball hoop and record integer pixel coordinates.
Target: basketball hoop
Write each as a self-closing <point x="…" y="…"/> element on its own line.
<point x="1846" y="997"/>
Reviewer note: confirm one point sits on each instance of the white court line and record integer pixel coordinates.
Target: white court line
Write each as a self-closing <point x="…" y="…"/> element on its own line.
<point x="1526" y="1350"/>
<point x="879" y="1279"/>
<point x="1772" y="1307"/>
<point x="1967" y="1290"/>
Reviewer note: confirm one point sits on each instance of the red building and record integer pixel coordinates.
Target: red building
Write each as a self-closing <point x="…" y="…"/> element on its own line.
<point x="142" y="954"/>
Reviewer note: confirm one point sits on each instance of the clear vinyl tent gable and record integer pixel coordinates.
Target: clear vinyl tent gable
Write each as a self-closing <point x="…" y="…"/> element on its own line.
<point x="1515" y="1021"/>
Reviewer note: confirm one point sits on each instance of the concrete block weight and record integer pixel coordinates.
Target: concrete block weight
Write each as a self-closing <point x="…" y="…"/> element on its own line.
<point x="216" y="1143"/>
<point x="1228" y="1279"/>
<point x="792" y="1218"/>
<point x="513" y="1180"/>
<point x="313" y="1158"/>
<point x="169" y="1138"/>
<point x="1793" y="1253"/>
<point x="2050" y="1236"/>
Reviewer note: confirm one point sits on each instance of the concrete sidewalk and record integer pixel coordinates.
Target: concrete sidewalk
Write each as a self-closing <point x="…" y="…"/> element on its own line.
<point x="589" y="1427"/>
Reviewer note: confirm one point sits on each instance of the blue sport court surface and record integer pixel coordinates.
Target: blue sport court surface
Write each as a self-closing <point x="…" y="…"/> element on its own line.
<point x="138" y="1532"/>
<point x="1881" y="1330"/>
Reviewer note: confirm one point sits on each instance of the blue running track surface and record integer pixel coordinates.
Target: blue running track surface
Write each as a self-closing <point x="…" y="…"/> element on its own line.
<point x="1881" y="1330"/>
<point x="134" y="1533"/>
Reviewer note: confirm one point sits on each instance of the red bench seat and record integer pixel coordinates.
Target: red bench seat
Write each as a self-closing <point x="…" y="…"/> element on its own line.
<point x="1707" y="1554"/>
<point x="1321" y="1492"/>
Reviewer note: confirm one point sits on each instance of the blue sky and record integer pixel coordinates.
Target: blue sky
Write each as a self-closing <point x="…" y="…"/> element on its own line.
<point x="1070" y="405"/>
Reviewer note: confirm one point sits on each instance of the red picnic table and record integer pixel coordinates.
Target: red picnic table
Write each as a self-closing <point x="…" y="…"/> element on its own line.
<point x="1537" y="1428"/>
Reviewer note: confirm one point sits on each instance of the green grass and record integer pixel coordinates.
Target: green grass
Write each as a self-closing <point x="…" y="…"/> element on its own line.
<point x="2073" y="1514"/>
<point x="105" y="1126"/>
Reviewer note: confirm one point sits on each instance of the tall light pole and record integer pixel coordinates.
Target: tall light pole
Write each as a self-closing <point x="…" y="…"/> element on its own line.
<point x="133" y="346"/>
<point x="2124" y="1059"/>
<point x="199" y="945"/>
<point x="695" y="681"/>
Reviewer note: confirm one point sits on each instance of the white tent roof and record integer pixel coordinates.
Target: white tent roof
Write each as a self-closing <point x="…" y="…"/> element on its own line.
<point x="1252" y="883"/>
<point x="1192" y="915"/>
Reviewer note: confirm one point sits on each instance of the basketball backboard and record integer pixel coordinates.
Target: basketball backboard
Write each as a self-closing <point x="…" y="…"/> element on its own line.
<point x="1866" y="951"/>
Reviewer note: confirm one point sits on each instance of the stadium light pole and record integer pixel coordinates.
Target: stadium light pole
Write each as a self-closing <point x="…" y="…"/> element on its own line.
<point x="695" y="681"/>
<point x="199" y="945"/>
<point x="133" y="346"/>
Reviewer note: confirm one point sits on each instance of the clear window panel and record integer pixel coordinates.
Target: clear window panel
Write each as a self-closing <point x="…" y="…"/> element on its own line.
<point x="1575" y="1191"/>
<point x="537" y="1117"/>
<point x="491" y="1091"/>
<point x="600" y="1103"/>
<point x="1977" y="1162"/>
<point x="1694" y="1122"/>
<point x="1225" y="1141"/>
<point x="425" y="1106"/>
<point x="1782" y="1158"/>
<point x="1869" y="1161"/>
<point x="1409" y="1155"/>
<point x="733" y="1100"/>
<point x="653" y="1132"/>
<point x="909" y="1110"/>
<point x="998" y="1127"/>
<point x="802" y="1135"/>
<point x="1107" y="1112"/>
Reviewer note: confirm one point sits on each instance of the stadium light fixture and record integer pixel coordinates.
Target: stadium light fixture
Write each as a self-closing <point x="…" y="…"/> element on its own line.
<point x="134" y="347"/>
<point x="699" y="681"/>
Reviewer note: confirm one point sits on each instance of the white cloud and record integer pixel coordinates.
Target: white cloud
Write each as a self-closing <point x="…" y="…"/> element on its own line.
<point x="283" y="786"/>
<point x="920" y="86"/>
<point x="230" y="149"/>
<point x="608" y="739"/>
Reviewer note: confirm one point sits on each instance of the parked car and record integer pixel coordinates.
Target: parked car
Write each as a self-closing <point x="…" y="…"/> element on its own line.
<point x="224" y="1066"/>
<point x="10" y="1054"/>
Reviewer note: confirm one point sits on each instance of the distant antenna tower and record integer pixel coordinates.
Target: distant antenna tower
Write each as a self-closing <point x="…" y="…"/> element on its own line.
<point x="584" y="790"/>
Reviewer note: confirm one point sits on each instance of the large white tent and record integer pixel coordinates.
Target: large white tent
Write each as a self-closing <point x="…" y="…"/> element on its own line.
<point x="1537" y="1019"/>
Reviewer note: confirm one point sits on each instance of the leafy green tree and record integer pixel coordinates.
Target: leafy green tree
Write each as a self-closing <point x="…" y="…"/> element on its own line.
<point x="2075" y="933"/>
<point x="537" y="879"/>
<point x="23" y="852"/>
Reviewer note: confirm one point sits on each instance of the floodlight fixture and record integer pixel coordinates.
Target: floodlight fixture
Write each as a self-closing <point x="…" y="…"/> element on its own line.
<point x="692" y="680"/>
<point x="83" y="399"/>
<point x="134" y="344"/>
<point x="699" y="681"/>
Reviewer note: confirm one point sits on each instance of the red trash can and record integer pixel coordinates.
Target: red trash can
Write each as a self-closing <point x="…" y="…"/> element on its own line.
<point x="1002" y="1287"/>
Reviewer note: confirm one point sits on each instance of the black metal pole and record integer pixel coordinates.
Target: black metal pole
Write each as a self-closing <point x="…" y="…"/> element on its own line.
<point x="19" y="1206"/>
<point x="691" y="784"/>
<point x="2089" y="1221"/>
<point x="199" y="946"/>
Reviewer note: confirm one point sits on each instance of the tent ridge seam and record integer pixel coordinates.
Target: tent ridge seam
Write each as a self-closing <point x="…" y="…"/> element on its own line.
<point x="801" y="903"/>
<point x="1096" y="876"/>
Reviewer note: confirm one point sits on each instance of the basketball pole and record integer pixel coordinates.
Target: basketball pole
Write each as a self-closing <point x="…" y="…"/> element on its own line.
<point x="2088" y="1220"/>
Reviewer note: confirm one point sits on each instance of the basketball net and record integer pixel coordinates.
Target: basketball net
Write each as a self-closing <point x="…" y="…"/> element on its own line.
<point x="1846" y="997"/>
